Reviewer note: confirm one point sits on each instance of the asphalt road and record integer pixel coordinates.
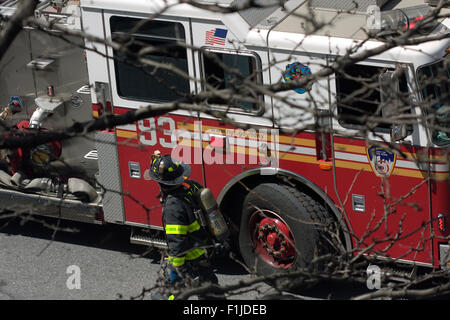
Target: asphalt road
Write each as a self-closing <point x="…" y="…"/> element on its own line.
<point x="36" y="264"/>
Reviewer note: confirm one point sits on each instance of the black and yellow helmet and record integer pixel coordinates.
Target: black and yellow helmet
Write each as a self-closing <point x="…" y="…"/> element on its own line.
<point x="165" y="170"/>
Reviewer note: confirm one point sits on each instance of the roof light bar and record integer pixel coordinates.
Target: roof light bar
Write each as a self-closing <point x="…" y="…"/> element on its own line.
<point x="399" y="20"/>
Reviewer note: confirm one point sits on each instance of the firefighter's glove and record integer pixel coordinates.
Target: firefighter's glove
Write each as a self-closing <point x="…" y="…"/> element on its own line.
<point x="173" y="276"/>
<point x="170" y="273"/>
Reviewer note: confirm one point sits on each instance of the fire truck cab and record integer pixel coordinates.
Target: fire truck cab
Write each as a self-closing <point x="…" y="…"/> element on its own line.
<point x="326" y="150"/>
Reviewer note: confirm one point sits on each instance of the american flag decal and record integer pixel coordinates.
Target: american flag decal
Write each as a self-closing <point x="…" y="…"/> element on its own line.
<point x="216" y="36"/>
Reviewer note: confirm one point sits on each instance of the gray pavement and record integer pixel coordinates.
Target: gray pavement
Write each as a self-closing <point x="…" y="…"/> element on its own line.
<point x="36" y="264"/>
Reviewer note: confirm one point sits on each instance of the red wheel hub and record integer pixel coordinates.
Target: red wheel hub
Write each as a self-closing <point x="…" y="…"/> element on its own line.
<point x="272" y="239"/>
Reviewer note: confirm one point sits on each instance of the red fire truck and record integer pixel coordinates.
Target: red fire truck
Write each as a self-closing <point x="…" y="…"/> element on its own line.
<point x="283" y="159"/>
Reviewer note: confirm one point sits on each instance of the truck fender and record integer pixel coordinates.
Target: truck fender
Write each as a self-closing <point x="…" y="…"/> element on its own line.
<point x="279" y="174"/>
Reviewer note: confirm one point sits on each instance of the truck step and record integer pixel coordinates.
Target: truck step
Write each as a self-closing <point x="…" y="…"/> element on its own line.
<point x="152" y="239"/>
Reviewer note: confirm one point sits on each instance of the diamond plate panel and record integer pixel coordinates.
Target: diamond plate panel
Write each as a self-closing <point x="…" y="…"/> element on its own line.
<point x="109" y="177"/>
<point x="254" y="15"/>
<point x="347" y="4"/>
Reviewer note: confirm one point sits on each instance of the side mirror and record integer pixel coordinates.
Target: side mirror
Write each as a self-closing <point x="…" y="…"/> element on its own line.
<point x="391" y="102"/>
<point x="399" y="132"/>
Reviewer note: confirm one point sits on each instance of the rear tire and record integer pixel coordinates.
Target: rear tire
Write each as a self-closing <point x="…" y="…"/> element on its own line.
<point x="277" y="231"/>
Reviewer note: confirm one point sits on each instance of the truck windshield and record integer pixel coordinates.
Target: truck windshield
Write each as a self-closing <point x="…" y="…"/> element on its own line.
<point x="435" y="87"/>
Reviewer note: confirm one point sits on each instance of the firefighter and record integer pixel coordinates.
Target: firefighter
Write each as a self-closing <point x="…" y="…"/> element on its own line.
<point x="190" y="246"/>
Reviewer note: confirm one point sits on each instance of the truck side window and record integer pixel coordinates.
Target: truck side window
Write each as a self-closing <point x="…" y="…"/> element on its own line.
<point x="223" y="70"/>
<point x="159" y="42"/>
<point x="435" y="88"/>
<point x="358" y="95"/>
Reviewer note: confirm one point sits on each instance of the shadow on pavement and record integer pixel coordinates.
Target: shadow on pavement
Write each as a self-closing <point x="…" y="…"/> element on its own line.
<point x="108" y="237"/>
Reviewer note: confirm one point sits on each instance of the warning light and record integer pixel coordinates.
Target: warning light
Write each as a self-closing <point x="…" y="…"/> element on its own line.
<point x="441" y="222"/>
<point x="413" y="21"/>
<point x="403" y="19"/>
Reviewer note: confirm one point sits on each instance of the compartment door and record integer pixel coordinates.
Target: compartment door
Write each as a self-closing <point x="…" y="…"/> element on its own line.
<point x="159" y="76"/>
<point x="224" y="64"/>
<point x="385" y="194"/>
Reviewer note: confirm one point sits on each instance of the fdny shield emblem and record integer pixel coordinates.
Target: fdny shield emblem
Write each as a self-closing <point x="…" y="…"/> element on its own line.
<point x="381" y="160"/>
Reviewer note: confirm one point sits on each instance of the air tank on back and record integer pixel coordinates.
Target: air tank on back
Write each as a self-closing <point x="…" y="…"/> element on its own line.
<point x="216" y="222"/>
